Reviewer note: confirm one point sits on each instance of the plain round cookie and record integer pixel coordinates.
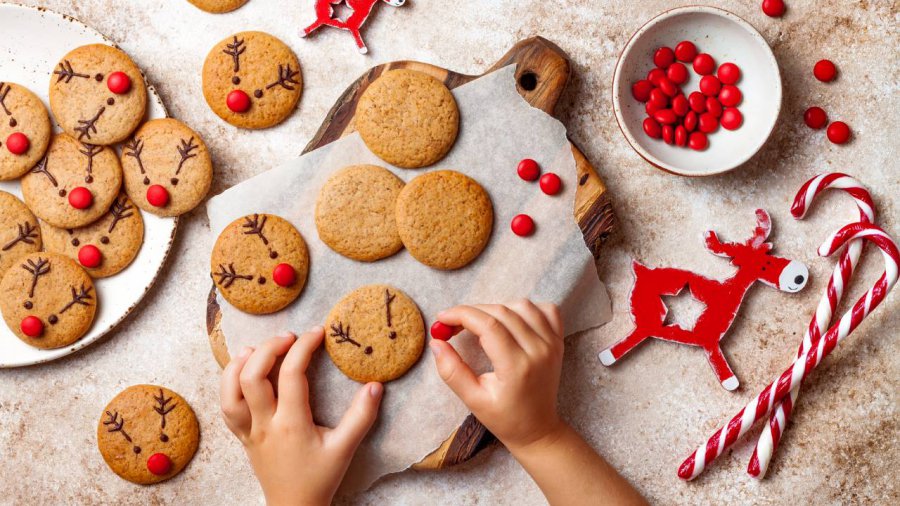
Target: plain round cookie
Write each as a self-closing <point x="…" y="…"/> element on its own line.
<point x="81" y="99"/>
<point x="375" y="333"/>
<point x="167" y="153"/>
<point x="260" y="66"/>
<point x="118" y="236"/>
<point x="444" y="219"/>
<point x="246" y="256"/>
<point x="218" y="6"/>
<point x="19" y="231"/>
<point x="146" y="427"/>
<point x="70" y="164"/>
<point x="356" y="212"/>
<point x="54" y="289"/>
<point x="407" y="118"/>
<point x="22" y="112"/>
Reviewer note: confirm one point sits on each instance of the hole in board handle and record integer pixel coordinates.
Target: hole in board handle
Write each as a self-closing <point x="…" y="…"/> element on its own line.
<point x="528" y="81"/>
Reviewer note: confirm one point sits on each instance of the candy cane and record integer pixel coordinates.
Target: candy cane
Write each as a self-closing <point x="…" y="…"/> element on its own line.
<point x="762" y="404"/>
<point x="840" y="278"/>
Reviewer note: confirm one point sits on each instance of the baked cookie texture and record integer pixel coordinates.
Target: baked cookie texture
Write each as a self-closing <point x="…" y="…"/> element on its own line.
<point x="356" y="212"/>
<point x="70" y="164"/>
<point x="375" y="333"/>
<point x="167" y="153"/>
<point x="258" y="66"/>
<point x="444" y="218"/>
<point x="407" y="118"/>
<point x="118" y="237"/>
<point x="82" y="97"/>
<point x="218" y="6"/>
<point x="19" y="231"/>
<point x="23" y="113"/>
<point x="260" y="263"/>
<point x="55" y="290"/>
<point x="147" y="434"/>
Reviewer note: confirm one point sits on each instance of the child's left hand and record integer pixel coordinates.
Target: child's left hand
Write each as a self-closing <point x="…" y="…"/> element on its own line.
<point x="295" y="460"/>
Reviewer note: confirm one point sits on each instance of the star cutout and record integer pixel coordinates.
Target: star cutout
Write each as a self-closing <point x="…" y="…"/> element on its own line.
<point x="341" y="11"/>
<point x="683" y="309"/>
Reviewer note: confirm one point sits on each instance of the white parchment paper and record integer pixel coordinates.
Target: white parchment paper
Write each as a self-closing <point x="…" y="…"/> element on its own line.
<point x="498" y="129"/>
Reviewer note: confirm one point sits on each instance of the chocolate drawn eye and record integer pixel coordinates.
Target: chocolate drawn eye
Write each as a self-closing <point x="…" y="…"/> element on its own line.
<point x="104" y="240"/>
<point x="392" y="335"/>
<point x="368" y="350"/>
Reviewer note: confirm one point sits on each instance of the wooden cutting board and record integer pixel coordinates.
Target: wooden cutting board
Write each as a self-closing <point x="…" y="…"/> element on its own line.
<point x="542" y="73"/>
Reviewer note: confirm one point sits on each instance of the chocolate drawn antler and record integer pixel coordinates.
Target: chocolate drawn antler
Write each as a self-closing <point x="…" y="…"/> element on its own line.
<point x="120" y="210"/>
<point x="185" y="150"/>
<point x="342" y="335"/>
<point x="228" y="276"/>
<point x="388" y="298"/>
<point x="37" y="269"/>
<point x="88" y="125"/>
<point x="255" y="226"/>
<point x="90" y="151"/>
<point x="80" y="297"/>
<point x="162" y="407"/>
<point x="235" y="50"/>
<point x="27" y="235"/>
<point x="133" y="149"/>
<point x="42" y="168"/>
<point x="286" y="77"/>
<point x="66" y="73"/>
<point x="116" y="423"/>
<point x="3" y="92"/>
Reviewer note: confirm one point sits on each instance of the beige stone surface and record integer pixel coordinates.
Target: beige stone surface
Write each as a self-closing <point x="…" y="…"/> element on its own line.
<point x="645" y="413"/>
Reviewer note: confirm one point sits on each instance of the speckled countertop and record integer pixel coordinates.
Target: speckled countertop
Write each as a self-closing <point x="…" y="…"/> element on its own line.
<point x="644" y="414"/>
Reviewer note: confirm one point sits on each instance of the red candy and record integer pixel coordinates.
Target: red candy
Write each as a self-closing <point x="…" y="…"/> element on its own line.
<point x="522" y="225"/>
<point x="708" y="123"/>
<point x="686" y="51"/>
<point x="442" y="331"/>
<point x="697" y="101"/>
<point x="680" y="105"/>
<point x="677" y="73"/>
<point x="838" y="132"/>
<point x="658" y="98"/>
<point x="732" y="118"/>
<point x="710" y="85"/>
<point x="663" y="57"/>
<point x="32" y="326"/>
<point x="665" y="116"/>
<point x="157" y="196"/>
<point x="528" y="169"/>
<point x="729" y="73"/>
<point x="668" y="87"/>
<point x="550" y="183"/>
<point x="825" y="71"/>
<point x="815" y="118"/>
<point x="17" y="143"/>
<point x="80" y="198"/>
<point x="698" y="141"/>
<point x="713" y="106"/>
<point x="690" y="121"/>
<point x="652" y="128"/>
<point x="89" y="256"/>
<point x="704" y="64"/>
<point x="681" y="136"/>
<point x="159" y="464"/>
<point x="773" y="8"/>
<point x="655" y="75"/>
<point x="652" y="108"/>
<point x="668" y="134"/>
<point x="641" y="90"/>
<point x="284" y="275"/>
<point x="238" y="101"/>
<point x="118" y="83"/>
<point x="730" y="96"/>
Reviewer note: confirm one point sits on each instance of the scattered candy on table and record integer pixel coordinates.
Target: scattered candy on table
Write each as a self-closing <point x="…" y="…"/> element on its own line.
<point x="529" y="170"/>
<point x="815" y="118"/>
<point x="522" y="225"/>
<point x="838" y="132"/>
<point x="825" y="71"/>
<point x="550" y="183"/>
<point x="773" y="8"/>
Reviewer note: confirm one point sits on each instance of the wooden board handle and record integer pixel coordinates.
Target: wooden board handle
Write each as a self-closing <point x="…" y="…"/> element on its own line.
<point x="542" y="71"/>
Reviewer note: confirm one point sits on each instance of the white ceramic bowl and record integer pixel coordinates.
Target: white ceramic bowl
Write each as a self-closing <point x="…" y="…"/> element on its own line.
<point x="727" y="38"/>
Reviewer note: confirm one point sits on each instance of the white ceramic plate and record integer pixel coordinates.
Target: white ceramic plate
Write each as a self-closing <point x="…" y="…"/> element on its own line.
<point x="727" y="38"/>
<point x="32" y="42"/>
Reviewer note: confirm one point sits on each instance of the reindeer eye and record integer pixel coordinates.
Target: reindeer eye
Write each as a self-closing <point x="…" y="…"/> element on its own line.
<point x="137" y="449"/>
<point x="28" y="304"/>
<point x="104" y="240"/>
<point x="76" y="242"/>
<point x="368" y="350"/>
<point x="392" y="335"/>
<point x="164" y="438"/>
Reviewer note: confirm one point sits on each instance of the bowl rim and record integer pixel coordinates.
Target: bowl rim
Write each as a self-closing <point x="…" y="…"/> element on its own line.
<point x="617" y="77"/>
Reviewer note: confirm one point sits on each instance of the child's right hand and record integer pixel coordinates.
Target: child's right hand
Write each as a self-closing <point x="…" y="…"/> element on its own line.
<point x="524" y="342"/>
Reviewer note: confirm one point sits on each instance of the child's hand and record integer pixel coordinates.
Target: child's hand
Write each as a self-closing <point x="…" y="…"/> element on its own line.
<point x="296" y="461"/>
<point x="524" y="342"/>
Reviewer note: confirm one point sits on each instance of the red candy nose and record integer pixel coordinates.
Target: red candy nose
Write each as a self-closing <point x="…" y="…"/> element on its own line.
<point x="284" y="275"/>
<point x="118" y="83"/>
<point x="17" y="143"/>
<point x="159" y="464"/>
<point x="32" y="326"/>
<point x="89" y="256"/>
<point x="238" y="101"/>
<point x="80" y="198"/>
<point x="443" y="332"/>
<point x="157" y="196"/>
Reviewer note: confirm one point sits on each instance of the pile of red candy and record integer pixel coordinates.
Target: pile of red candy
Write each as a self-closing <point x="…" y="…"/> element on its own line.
<point x="686" y="120"/>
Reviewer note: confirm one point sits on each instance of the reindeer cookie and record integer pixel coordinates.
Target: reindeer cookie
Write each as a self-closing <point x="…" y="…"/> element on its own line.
<point x="375" y="333"/>
<point x="252" y="80"/>
<point x="167" y="168"/>
<point x="47" y="300"/>
<point x="19" y="231"/>
<point x="24" y="130"/>
<point x="73" y="185"/>
<point x="104" y="247"/>
<point x="218" y="6"/>
<point x="147" y="434"/>
<point x="260" y="263"/>
<point x="408" y="118"/>
<point x="97" y="94"/>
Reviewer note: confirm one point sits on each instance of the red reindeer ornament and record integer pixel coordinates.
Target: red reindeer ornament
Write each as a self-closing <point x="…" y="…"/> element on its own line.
<point x="360" y="12"/>
<point x="722" y="298"/>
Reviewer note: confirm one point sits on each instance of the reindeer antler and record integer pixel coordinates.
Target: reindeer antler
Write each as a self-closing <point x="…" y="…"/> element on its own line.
<point x="185" y="150"/>
<point x="120" y="210"/>
<point x="43" y="168"/>
<point x="116" y="423"/>
<point x="286" y="77"/>
<point x="763" y="227"/>
<point x="162" y="408"/>
<point x="235" y="50"/>
<point x="342" y="335"/>
<point x="90" y="151"/>
<point x="228" y="276"/>
<point x="37" y="269"/>
<point x="88" y="126"/>
<point x="133" y="149"/>
<point x="255" y="226"/>
<point x="4" y="90"/>
<point x="27" y="235"/>
<point x="81" y="297"/>
<point x="388" y="298"/>
<point x="66" y="73"/>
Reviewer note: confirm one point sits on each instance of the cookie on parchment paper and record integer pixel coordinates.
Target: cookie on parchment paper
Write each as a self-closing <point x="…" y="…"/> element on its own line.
<point x="24" y="130"/>
<point x="218" y="6"/>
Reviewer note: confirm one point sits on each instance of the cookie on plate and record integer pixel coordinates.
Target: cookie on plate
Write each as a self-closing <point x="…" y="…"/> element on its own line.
<point x="259" y="263"/>
<point x="167" y="167"/>
<point x="97" y="94"/>
<point x="444" y="219"/>
<point x="104" y="247"/>
<point x="252" y="80"/>
<point x="47" y="300"/>
<point x="19" y="231"/>
<point x="24" y="130"/>
<point x="408" y="118"/>
<point x="147" y="434"/>
<point x="73" y="185"/>
<point x="375" y="333"/>
<point x="218" y="6"/>
<point x="355" y="212"/>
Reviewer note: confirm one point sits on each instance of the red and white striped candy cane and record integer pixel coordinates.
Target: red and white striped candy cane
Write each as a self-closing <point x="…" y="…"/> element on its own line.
<point x="762" y="404"/>
<point x="840" y="278"/>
